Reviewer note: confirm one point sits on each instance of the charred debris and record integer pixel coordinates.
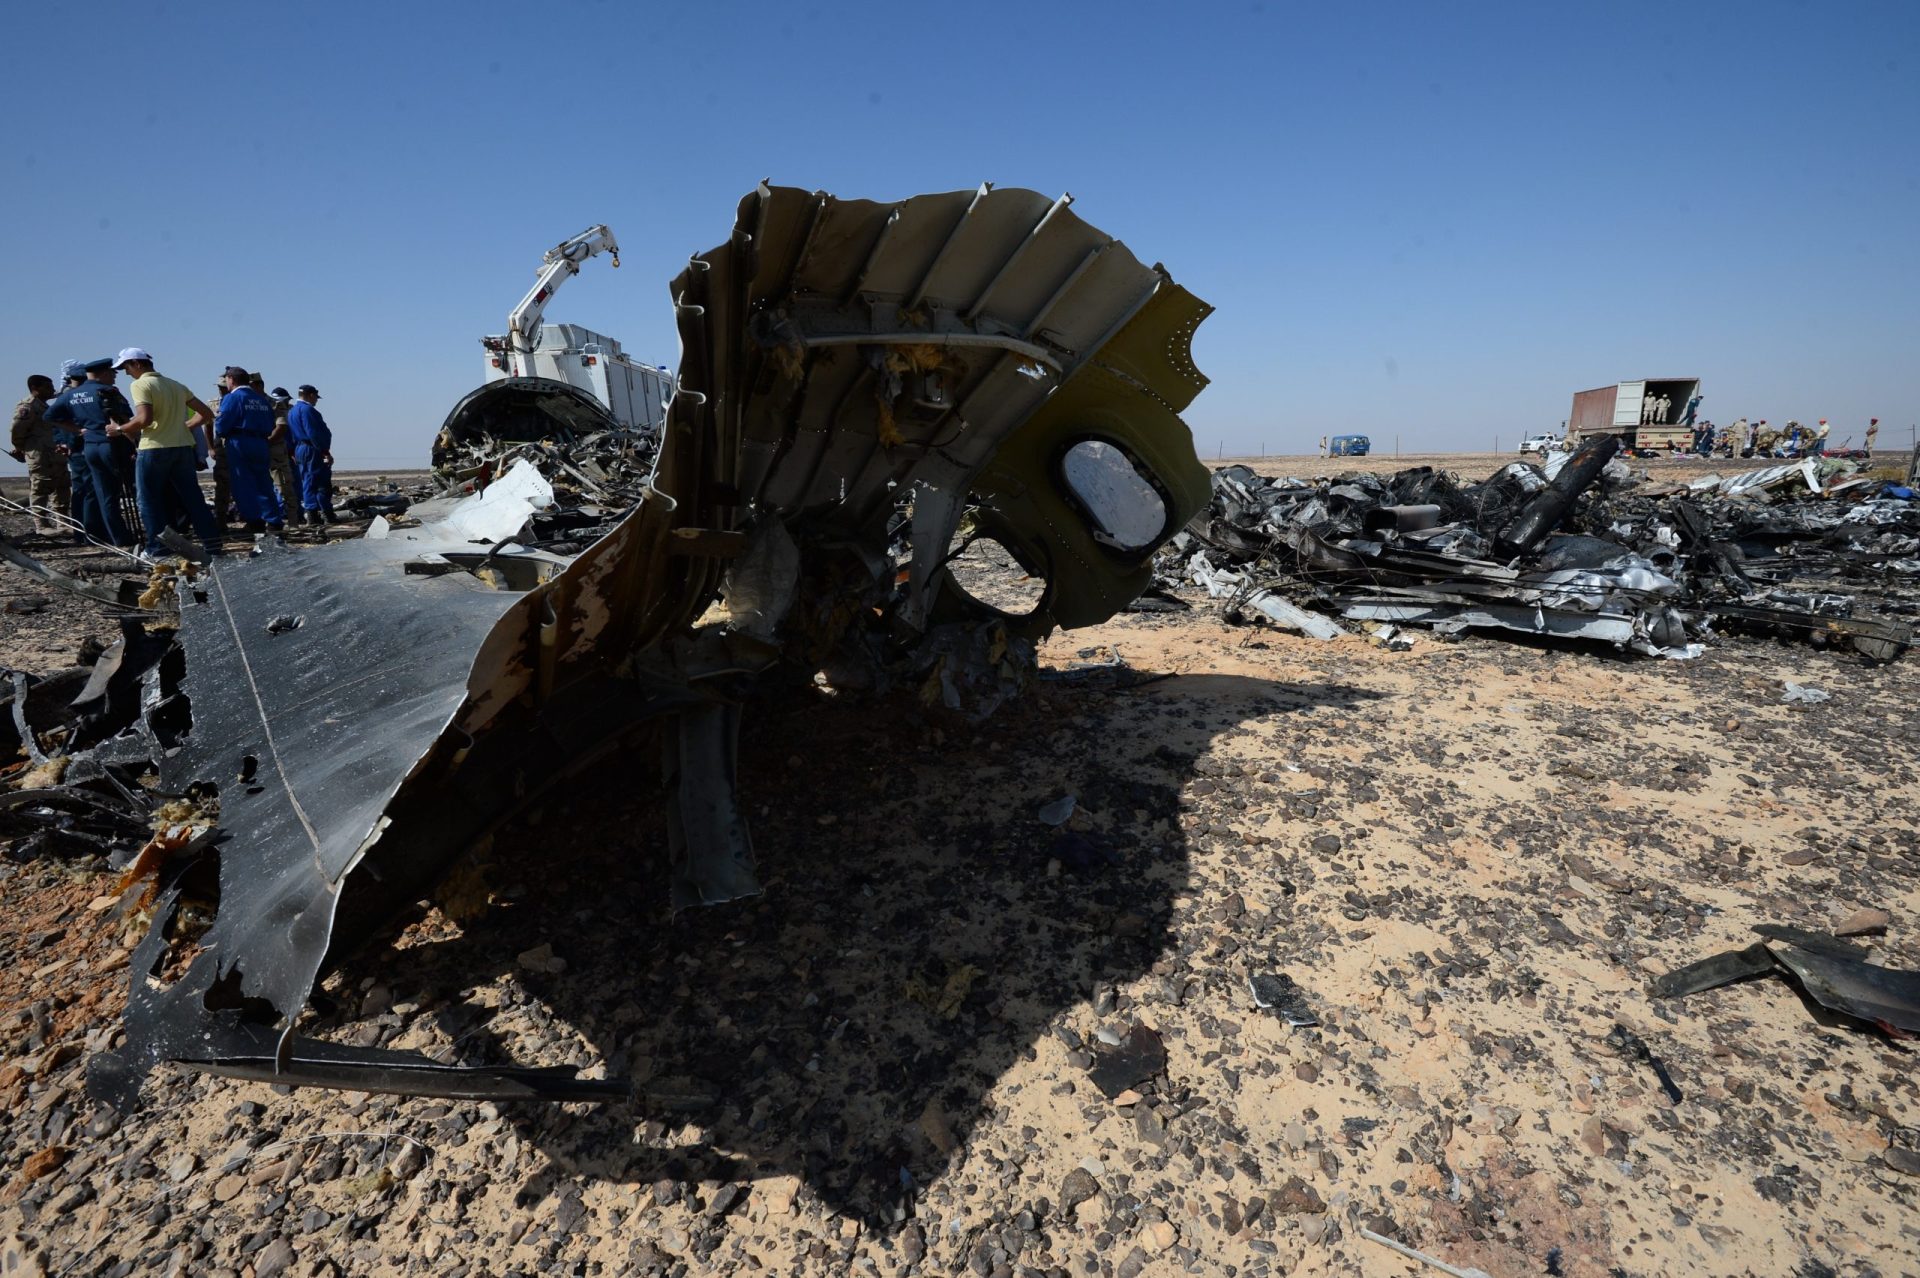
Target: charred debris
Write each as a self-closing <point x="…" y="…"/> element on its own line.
<point x="290" y="748"/>
<point x="1831" y="972"/>
<point x="1580" y="549"/>
<point x="283" y="752"/>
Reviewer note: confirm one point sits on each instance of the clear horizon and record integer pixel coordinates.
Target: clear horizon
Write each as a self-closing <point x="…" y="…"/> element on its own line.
<point x="1435" y="223"/>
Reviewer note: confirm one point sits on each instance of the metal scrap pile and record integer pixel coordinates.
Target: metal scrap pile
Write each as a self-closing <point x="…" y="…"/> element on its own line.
<point x="596" y="467"/>
<point x="860" y="385"/>
<point x="1580" y="549"/>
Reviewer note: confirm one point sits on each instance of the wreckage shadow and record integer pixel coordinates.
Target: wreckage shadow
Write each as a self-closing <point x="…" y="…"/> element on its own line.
<point x="920" y="930"/>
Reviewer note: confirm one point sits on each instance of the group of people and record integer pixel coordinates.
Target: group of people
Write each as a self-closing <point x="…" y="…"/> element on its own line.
<point x="1657" y="410"/>
<point x="1758" y="439"/>
<point x="88" y="446"/>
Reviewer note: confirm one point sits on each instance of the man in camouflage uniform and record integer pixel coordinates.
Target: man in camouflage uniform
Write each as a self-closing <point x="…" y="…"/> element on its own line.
<point x="280" y="445"/>
<point x="32" y="437"/>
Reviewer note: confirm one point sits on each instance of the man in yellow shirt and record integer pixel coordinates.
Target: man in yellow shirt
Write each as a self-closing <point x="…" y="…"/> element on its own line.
<point x="166" y="481"/>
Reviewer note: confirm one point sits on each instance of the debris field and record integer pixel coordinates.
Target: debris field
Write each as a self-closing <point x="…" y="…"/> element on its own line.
<point x="1581" y="548"/>
<point x="1473" y="858"/>
<point x="860" y="830"/>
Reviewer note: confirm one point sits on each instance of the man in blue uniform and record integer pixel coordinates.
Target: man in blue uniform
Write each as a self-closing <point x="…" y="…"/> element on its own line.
<point x="96" y="408"/>
<point x="66" y="439"/>
<point x="313" y="454"/>
<point x="244" y="423"/>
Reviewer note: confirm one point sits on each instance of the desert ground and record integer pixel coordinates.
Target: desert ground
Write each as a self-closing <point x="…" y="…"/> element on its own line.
<point x="1471" y="857"/>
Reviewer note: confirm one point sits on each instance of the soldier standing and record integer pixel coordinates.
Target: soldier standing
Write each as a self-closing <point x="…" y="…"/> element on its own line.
<point x="280" y="446"/>
<point x="34" y="443"/>
<point x="286" y="470"/>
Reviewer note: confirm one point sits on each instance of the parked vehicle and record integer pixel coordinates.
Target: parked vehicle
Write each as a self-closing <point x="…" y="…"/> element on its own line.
<point x="1539" y="443"/>
<point x="530" y="351"/>
<point x="1349" y="446"/>
<point x="1623" y="409"/>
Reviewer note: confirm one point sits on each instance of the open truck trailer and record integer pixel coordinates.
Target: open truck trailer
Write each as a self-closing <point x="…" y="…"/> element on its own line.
<point x="1616" y="410"/>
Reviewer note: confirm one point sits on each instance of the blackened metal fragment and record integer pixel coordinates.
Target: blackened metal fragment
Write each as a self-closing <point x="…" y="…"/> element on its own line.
<point x="1279" y="993"/>
<point x="1884" y="996"/>
<point x="1818" y="942"/>
<point x="1140" y="1056"/>
<point x="1548" y="507"/>
<point x="1711" y="973"/>
<point x="1633" y="1047"/>
<point x="1888" y="997"/>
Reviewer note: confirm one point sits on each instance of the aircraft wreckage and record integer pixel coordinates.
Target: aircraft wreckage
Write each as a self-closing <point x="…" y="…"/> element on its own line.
<point x="859" y="382"/>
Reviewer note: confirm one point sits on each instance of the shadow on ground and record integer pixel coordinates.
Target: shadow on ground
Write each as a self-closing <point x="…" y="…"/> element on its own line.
<point x="919" y="931"/>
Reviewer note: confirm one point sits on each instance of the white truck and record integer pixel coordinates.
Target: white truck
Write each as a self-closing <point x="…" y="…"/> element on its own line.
<point x="635" y="393"/>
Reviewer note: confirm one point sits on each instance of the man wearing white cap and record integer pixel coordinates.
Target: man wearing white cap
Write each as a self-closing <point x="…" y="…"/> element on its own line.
<point x="165" y="478"/>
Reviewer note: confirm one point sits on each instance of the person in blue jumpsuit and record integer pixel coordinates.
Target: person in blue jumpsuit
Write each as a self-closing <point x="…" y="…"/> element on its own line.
<point x="66" y="436"/>
<point x="244" y="422"/>
<point x="313" y="455"/>
<point x="96" y="409"/>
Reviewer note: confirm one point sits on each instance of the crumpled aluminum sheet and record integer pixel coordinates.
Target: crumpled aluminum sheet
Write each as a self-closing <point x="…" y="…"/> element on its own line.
<point x="310" y="732"/>
<point x="856" y="378"/>
<point x="1647" y="573"/>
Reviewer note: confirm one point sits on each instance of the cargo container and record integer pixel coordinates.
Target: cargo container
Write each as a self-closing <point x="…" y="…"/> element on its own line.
<point x="1617" y="410"/>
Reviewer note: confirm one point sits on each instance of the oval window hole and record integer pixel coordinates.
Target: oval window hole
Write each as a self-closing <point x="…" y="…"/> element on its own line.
<point x="1126" y="511"/>
<point x="988" y="573"/>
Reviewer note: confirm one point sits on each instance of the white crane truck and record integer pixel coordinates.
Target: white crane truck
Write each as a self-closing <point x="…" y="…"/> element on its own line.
<point x="635" y="393"/>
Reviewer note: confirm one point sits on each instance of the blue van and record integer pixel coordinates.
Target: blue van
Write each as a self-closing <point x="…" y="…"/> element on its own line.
<point x="1348" y="446"/>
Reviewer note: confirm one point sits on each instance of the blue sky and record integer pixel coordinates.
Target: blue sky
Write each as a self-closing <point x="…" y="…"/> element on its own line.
<point x="1427" y="221"/>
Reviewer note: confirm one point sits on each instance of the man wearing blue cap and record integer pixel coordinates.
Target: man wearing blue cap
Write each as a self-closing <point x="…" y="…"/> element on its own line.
<point x="96" y="408"/>
<point x="313" y="454"/>
<point x="66" y="441"/>
<point x="244" y="423"/>
<point x="165" y="468"/>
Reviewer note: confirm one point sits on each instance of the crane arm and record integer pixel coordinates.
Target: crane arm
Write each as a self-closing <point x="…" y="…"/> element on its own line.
<point x="562" y="260"/>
